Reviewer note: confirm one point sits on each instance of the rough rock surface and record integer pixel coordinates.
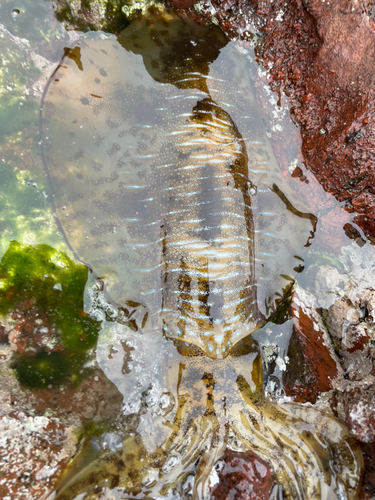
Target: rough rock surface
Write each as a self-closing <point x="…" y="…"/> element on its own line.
<point x="40" y="428"/>
<point x="320" y="57"/>
<point x="313" y="362"/>
<point x="242" y="476"/>
<point x="336" y="372"/>
<point x="351" y="325"/>
<point x="369" y="473"/>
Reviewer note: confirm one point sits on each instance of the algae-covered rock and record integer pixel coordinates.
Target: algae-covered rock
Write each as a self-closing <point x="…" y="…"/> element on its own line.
<point x="111" y="16"/>
<point x="42" y="290"/>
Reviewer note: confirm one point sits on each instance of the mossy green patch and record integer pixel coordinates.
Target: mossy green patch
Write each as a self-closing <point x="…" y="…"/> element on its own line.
<point x="53" y="284"/>
<point x="49" y="368"/>
<point x="94" y="429"/>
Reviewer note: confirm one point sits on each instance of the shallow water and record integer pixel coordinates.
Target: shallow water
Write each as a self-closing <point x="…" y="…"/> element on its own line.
<point x="124" y="123"/>
<point x="165" y="183"/>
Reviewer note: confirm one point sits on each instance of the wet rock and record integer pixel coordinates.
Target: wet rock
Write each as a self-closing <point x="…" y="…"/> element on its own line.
<point x="32" y="450"/>
<point x="357" y="409"/>
<point x="298" y="380"/>
<point x="369" y="471"/>
<point x="242" y="476"/>
<point x="40" y="429"/>
<point x="106" y="15"/>
<point x="352" y="328"/>
<point x="328" y="285"/>
<point x="348" y="36"/>
<point x="351" y="274"/>
<point x="342" y="312"/>
<point x="320" y="56"/>
<point x="365" y="495"/>
<point x="321" y="365"/>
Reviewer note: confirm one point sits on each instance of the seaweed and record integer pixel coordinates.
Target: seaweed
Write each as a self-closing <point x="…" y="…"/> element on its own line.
<point x="52" y="285"/>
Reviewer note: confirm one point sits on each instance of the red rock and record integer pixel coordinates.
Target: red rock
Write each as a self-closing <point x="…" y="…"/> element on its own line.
<point x="32" y="452"/>
<point x="32" y="330"/>
<point x="348" y="48"/>
<point x="359" y="408"/>
<point x="365" y="495"/>
<point x="242" y="476"/>
<point x="334" y="51"/>
<point x="3" y="335"/>
<point x="35" y="448"/>
<point x="298" y="380"/>
<point x="317" y="350"/>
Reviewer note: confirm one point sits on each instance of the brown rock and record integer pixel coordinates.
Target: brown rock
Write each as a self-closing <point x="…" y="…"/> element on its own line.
<point x="348" y="48"/>
<point x="357" y="409"/>
<point x="298" y="380"/>
<point x="331" y="96"/>
<point x="32" y="451"/>
<point x="369" y="472"/>
<point x="243" y="476"/>
<point x="352" y="328"/>
<point x="365" y="495"/>
<point x="316" y="347"/>
<point x="40" y="428"/>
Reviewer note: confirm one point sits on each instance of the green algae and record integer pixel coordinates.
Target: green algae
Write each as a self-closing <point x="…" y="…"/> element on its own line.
<point x="49" y="369"/>
<point x="26" y="213"/>
<point x="93" y="429"/>
<point x="53" y="284"/>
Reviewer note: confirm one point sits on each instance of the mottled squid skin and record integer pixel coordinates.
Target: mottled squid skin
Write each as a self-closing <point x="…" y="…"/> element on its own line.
<point x="209" y="276"/>
<point x="165" y="184"/>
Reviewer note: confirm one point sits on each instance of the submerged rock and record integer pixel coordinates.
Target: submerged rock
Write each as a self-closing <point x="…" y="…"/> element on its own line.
<point x="106" y="15"/>
<point x="44" y="338"/>
<point x="359" y="410"/>
<point x="242" y="476"/>
<point x="352" y="327"/>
